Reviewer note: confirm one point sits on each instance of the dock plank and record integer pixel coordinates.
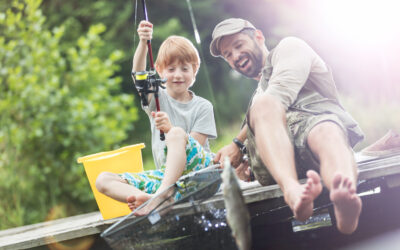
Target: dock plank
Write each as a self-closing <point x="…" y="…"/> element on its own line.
<point x="92" y="223"/>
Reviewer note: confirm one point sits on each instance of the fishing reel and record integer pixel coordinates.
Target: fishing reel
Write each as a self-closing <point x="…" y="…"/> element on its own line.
<point x="146" y="82"/>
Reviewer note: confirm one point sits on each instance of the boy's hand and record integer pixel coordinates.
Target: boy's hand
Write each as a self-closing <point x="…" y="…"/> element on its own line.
<point x="161" y="120"/>
<point x="145" y="31"/>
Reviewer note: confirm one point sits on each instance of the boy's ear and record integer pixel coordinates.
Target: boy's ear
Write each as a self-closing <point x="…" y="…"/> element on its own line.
<point x="158" y="69"/>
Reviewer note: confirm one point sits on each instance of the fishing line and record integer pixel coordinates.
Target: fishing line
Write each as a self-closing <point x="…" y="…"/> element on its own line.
<point x="134" y="31"/>
<point x="196" y="31"/>
<point x="207" y="74"/>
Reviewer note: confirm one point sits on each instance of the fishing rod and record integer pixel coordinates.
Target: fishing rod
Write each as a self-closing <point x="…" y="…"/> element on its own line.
<point x="148" y="41"/>
<point x="146" y="82"/>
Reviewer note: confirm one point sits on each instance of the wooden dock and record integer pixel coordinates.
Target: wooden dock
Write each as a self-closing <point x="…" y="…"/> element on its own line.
<point x="372" y="173"/>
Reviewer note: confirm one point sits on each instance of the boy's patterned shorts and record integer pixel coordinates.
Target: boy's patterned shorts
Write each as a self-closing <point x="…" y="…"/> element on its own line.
<point x="149" y="181"/>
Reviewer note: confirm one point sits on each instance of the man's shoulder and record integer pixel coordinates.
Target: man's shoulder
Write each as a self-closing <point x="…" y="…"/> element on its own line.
<point x="291" y="47"/>
<point x="291" y="41"/>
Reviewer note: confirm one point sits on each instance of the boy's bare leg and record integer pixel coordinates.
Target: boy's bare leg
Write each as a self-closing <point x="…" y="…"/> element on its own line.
<point x="268" y="119"/>
<point x="339" y="173"/>
<point x="176" y="140"/>
<point x="114" y="186"/>
<point x="175" y="164"/>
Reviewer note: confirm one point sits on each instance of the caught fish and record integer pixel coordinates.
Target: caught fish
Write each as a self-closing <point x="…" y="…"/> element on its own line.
<point x="237" y="214"/>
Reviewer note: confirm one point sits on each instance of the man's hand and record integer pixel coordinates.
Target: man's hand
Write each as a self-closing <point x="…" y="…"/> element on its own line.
<point x="232" y="151"/>
<point x="161" y="121"/>
<point x="243" y="171"/>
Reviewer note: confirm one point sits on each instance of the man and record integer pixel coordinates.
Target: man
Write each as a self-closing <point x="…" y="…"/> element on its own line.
<point x="294" y="123"/>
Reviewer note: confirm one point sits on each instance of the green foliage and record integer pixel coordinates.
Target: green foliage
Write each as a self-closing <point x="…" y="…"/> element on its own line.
<point x="61" y="84"/>
<point x="57" y="103"/>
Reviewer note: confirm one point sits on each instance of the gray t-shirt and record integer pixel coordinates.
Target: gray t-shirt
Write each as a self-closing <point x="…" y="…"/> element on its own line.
<point x="197" y="115"/>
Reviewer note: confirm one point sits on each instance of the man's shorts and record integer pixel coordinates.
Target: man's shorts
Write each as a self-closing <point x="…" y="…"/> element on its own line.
<point x="299" y="125"/>
<point x="149" y="181"/>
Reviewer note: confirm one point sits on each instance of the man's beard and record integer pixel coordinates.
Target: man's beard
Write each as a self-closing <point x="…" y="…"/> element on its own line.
<point x="257" y="63"/>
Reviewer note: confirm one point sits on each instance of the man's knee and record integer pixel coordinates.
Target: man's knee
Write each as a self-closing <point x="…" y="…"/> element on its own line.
<point x="267" y="108"/>
<point x="326" y="133"/>
<point x="176" y="133"/>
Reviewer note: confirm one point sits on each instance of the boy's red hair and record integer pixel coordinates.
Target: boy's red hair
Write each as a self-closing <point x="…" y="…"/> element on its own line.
<point x="177" y="48"/>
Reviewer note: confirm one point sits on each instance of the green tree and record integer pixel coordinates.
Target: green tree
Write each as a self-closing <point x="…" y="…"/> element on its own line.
<point x="170" y="17"/>
<point x="57" y="103"/>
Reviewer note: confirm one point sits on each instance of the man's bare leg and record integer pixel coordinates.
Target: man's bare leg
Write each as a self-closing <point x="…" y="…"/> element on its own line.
<point x="301" y="199"/>
<point x="339" y="173"/>
<point x="268" y="119"/>
<point x="176" y="140"/>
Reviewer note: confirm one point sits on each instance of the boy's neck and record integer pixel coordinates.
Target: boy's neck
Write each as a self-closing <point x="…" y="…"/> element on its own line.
<point x="183" y="97"/>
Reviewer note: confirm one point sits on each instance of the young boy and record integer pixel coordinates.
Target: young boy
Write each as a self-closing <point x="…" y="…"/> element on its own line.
<point x="186" y="119"/>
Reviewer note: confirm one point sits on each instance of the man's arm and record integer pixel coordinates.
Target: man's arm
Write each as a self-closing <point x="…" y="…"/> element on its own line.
<point x="292" y="63"/>
<point x="232" y="150"/>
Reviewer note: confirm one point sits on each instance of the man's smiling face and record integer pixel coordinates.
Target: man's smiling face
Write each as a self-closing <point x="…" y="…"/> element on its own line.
<point x="242" y="53"/>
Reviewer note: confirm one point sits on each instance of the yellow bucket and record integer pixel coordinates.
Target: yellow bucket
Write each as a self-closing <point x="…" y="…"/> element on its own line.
<point x="126" y="159"/>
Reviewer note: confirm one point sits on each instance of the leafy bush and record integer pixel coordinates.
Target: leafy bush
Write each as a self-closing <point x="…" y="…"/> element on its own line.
<point x="56" y="103"/>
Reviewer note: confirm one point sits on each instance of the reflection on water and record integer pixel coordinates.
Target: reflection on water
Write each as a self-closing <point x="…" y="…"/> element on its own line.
<point x="175" y="231"/>
<point x="216" y="221"/>
<point x="193" y="226"/>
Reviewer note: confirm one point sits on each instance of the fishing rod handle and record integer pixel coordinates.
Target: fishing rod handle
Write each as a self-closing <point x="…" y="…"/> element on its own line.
<point x="162" y="135"/>
<point x="150" y="55"/>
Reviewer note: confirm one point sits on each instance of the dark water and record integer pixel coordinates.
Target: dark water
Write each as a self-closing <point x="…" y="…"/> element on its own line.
<point x="271" y="228"/>
<point x="205" y="230"/>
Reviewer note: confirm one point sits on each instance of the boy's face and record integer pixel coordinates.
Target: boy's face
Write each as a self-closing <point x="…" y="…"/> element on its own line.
<point x="242" y="53"/>
<point x="180" y="77"/>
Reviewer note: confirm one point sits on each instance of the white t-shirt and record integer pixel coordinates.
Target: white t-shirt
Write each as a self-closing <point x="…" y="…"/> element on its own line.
<point x="197" y="115"/>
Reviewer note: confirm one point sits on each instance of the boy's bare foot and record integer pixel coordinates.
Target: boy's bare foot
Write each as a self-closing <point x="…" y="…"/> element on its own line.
<point x="134" y="201"/>
<point x="301" y="198"/>
<point x="346" y="203"/>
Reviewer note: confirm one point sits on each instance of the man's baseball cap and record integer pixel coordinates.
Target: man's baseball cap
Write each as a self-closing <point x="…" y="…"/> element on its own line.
<point x="227" y="27"/>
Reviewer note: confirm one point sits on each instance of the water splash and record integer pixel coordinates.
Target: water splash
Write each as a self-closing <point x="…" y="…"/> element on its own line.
<point x="213" y="219"/>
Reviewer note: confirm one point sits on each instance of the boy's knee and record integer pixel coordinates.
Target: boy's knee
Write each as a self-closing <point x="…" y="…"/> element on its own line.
<point x="266" y="107"/>
<point x="176" y="133"/>
<point x="102" y="179"/>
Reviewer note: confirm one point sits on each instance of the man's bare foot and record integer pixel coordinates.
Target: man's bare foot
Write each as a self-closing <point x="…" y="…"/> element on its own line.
<point x="301" y="198"/>
<point x="346" y="203"/>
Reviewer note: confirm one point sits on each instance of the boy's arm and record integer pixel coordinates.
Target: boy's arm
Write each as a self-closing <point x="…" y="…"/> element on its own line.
<point x="232" y="150"/>
<point x="201" y="138"/>
<point x="139" y="58"/>
<point x="145" y="32"/>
